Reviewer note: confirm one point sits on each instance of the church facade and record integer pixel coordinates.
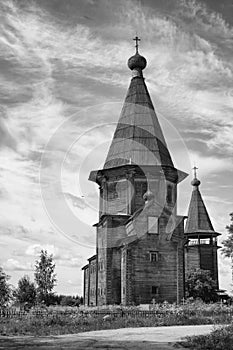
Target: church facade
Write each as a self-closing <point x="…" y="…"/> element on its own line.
<point x="143" y="248"/>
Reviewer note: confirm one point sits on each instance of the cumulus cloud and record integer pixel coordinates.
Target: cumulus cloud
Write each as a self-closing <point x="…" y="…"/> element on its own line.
<point x="15" y="265"/>
<point x="61" y="256"/>
<point x="35" y="250"/>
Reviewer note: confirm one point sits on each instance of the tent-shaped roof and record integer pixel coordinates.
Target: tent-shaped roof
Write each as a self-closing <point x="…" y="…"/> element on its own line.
<point x="138" y="138"/>
<point x="198" y="218"/>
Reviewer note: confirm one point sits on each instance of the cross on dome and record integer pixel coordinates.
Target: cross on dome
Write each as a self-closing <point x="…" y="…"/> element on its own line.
<point x="195" y="181"/>
<point x="195" y="171"/>
<point x="137" y="39"/>
<point x="137" y="62"/>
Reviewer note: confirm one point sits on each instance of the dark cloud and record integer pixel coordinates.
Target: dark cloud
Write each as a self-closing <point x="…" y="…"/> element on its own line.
<point x="76" y="201"/>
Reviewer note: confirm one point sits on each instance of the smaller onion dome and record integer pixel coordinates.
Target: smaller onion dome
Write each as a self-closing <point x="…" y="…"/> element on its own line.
<point x="195" y="182"/>
<point x="148" y="196"/>
<point x="137" y="62"/>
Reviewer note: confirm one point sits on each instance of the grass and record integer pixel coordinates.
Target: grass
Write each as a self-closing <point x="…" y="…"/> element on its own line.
<point x="55" y="323"/>
<point x="219" y="339"/>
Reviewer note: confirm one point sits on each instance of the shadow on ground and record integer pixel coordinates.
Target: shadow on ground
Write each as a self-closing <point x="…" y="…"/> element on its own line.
<point x="82" y="344"/>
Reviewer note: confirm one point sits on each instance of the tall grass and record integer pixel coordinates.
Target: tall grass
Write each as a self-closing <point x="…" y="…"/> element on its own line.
<point x="54" y="322"/>
<point x="219" y="339"/>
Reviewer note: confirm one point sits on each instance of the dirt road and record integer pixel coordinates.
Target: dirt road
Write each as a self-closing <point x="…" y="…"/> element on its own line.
<point x="146" y="338"/>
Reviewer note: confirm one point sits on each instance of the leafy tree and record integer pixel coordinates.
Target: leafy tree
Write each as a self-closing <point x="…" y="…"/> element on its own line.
<point x="45" y="277"/>
<point x="199" y="284"/>
<point x="228" y="243"/>
<point x="25" y="292"/>
<point x="5" y="289"/>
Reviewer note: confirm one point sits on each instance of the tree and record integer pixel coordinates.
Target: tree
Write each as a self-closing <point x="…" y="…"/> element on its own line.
<point x="5" y="289"/>
<point x="199" y="284"/>
<point x="45" y="277"/>
<point x="25" y="292"/>
<point x="227" y="251"/>
<point x="69" y="300"/>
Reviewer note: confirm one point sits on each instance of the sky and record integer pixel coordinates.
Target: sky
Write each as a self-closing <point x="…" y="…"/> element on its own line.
<point x="63" y="80"/>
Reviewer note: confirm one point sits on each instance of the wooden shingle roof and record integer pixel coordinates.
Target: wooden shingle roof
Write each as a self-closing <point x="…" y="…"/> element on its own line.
<point x="138" y="138"/>
<point x="198" y="218"/>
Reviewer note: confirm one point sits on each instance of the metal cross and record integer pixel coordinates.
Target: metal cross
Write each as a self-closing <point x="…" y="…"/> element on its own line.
<point x="137" y="39"/>
<point x="195" y="171"/>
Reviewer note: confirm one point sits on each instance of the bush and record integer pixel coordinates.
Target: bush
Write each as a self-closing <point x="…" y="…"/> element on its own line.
<point x="220" y="339"/>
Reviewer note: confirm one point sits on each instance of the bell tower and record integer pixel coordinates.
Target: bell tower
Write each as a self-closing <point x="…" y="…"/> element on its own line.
<point x="201" y="249"/>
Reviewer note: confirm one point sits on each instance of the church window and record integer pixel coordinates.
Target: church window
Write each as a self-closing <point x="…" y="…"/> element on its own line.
<point x="193" y="242"/>
<point x="205" y="241"/>
<point x="154" y="256"/>
<point x="155" y="290"/>
<point x="169" y="194"/>
<point x="123" y="290"/>
<point x="153" y="225"/>
<point x="112" y="192"/>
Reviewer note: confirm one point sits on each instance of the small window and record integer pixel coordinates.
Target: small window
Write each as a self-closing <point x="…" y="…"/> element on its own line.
<point x="112" y="192"/>
<point x="153" y="224"/>
<point x="155" y="290"/>
<point x="169" y="194"/>
<point x="124" y="290"/>
<point x="154" y="256"/>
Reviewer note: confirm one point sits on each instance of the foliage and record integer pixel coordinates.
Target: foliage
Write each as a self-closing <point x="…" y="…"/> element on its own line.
<point x="228" y="243"/>
<point x="219" y="339"/>
<point x="25" y="292"/>
<point x="5" y="289"/>
<point x="45" y="277"/>
<point x="68" y="300"/>
<point x="199" y="284"/>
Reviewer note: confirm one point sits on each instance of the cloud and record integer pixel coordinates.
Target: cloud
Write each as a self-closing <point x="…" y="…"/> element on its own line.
<point x="15" y="265"/>
<point x="76" y="201"/>
<point x="62" y="257"/>
<point x="35" y="250"/>
<point x="209" y="164"/>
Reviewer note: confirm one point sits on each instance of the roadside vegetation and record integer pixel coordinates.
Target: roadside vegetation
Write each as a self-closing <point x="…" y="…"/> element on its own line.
<point x="219" y="339"/>
<point x="61" y="320"/>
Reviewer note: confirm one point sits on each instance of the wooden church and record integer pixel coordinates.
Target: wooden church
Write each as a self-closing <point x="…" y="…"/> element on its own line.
<point x="143" y="249"/>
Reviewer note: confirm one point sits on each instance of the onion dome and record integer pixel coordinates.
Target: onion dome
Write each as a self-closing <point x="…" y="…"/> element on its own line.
<point x="148" y="196"/>
<point x="137" y="62"/>
<point x="195" y="182"/>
